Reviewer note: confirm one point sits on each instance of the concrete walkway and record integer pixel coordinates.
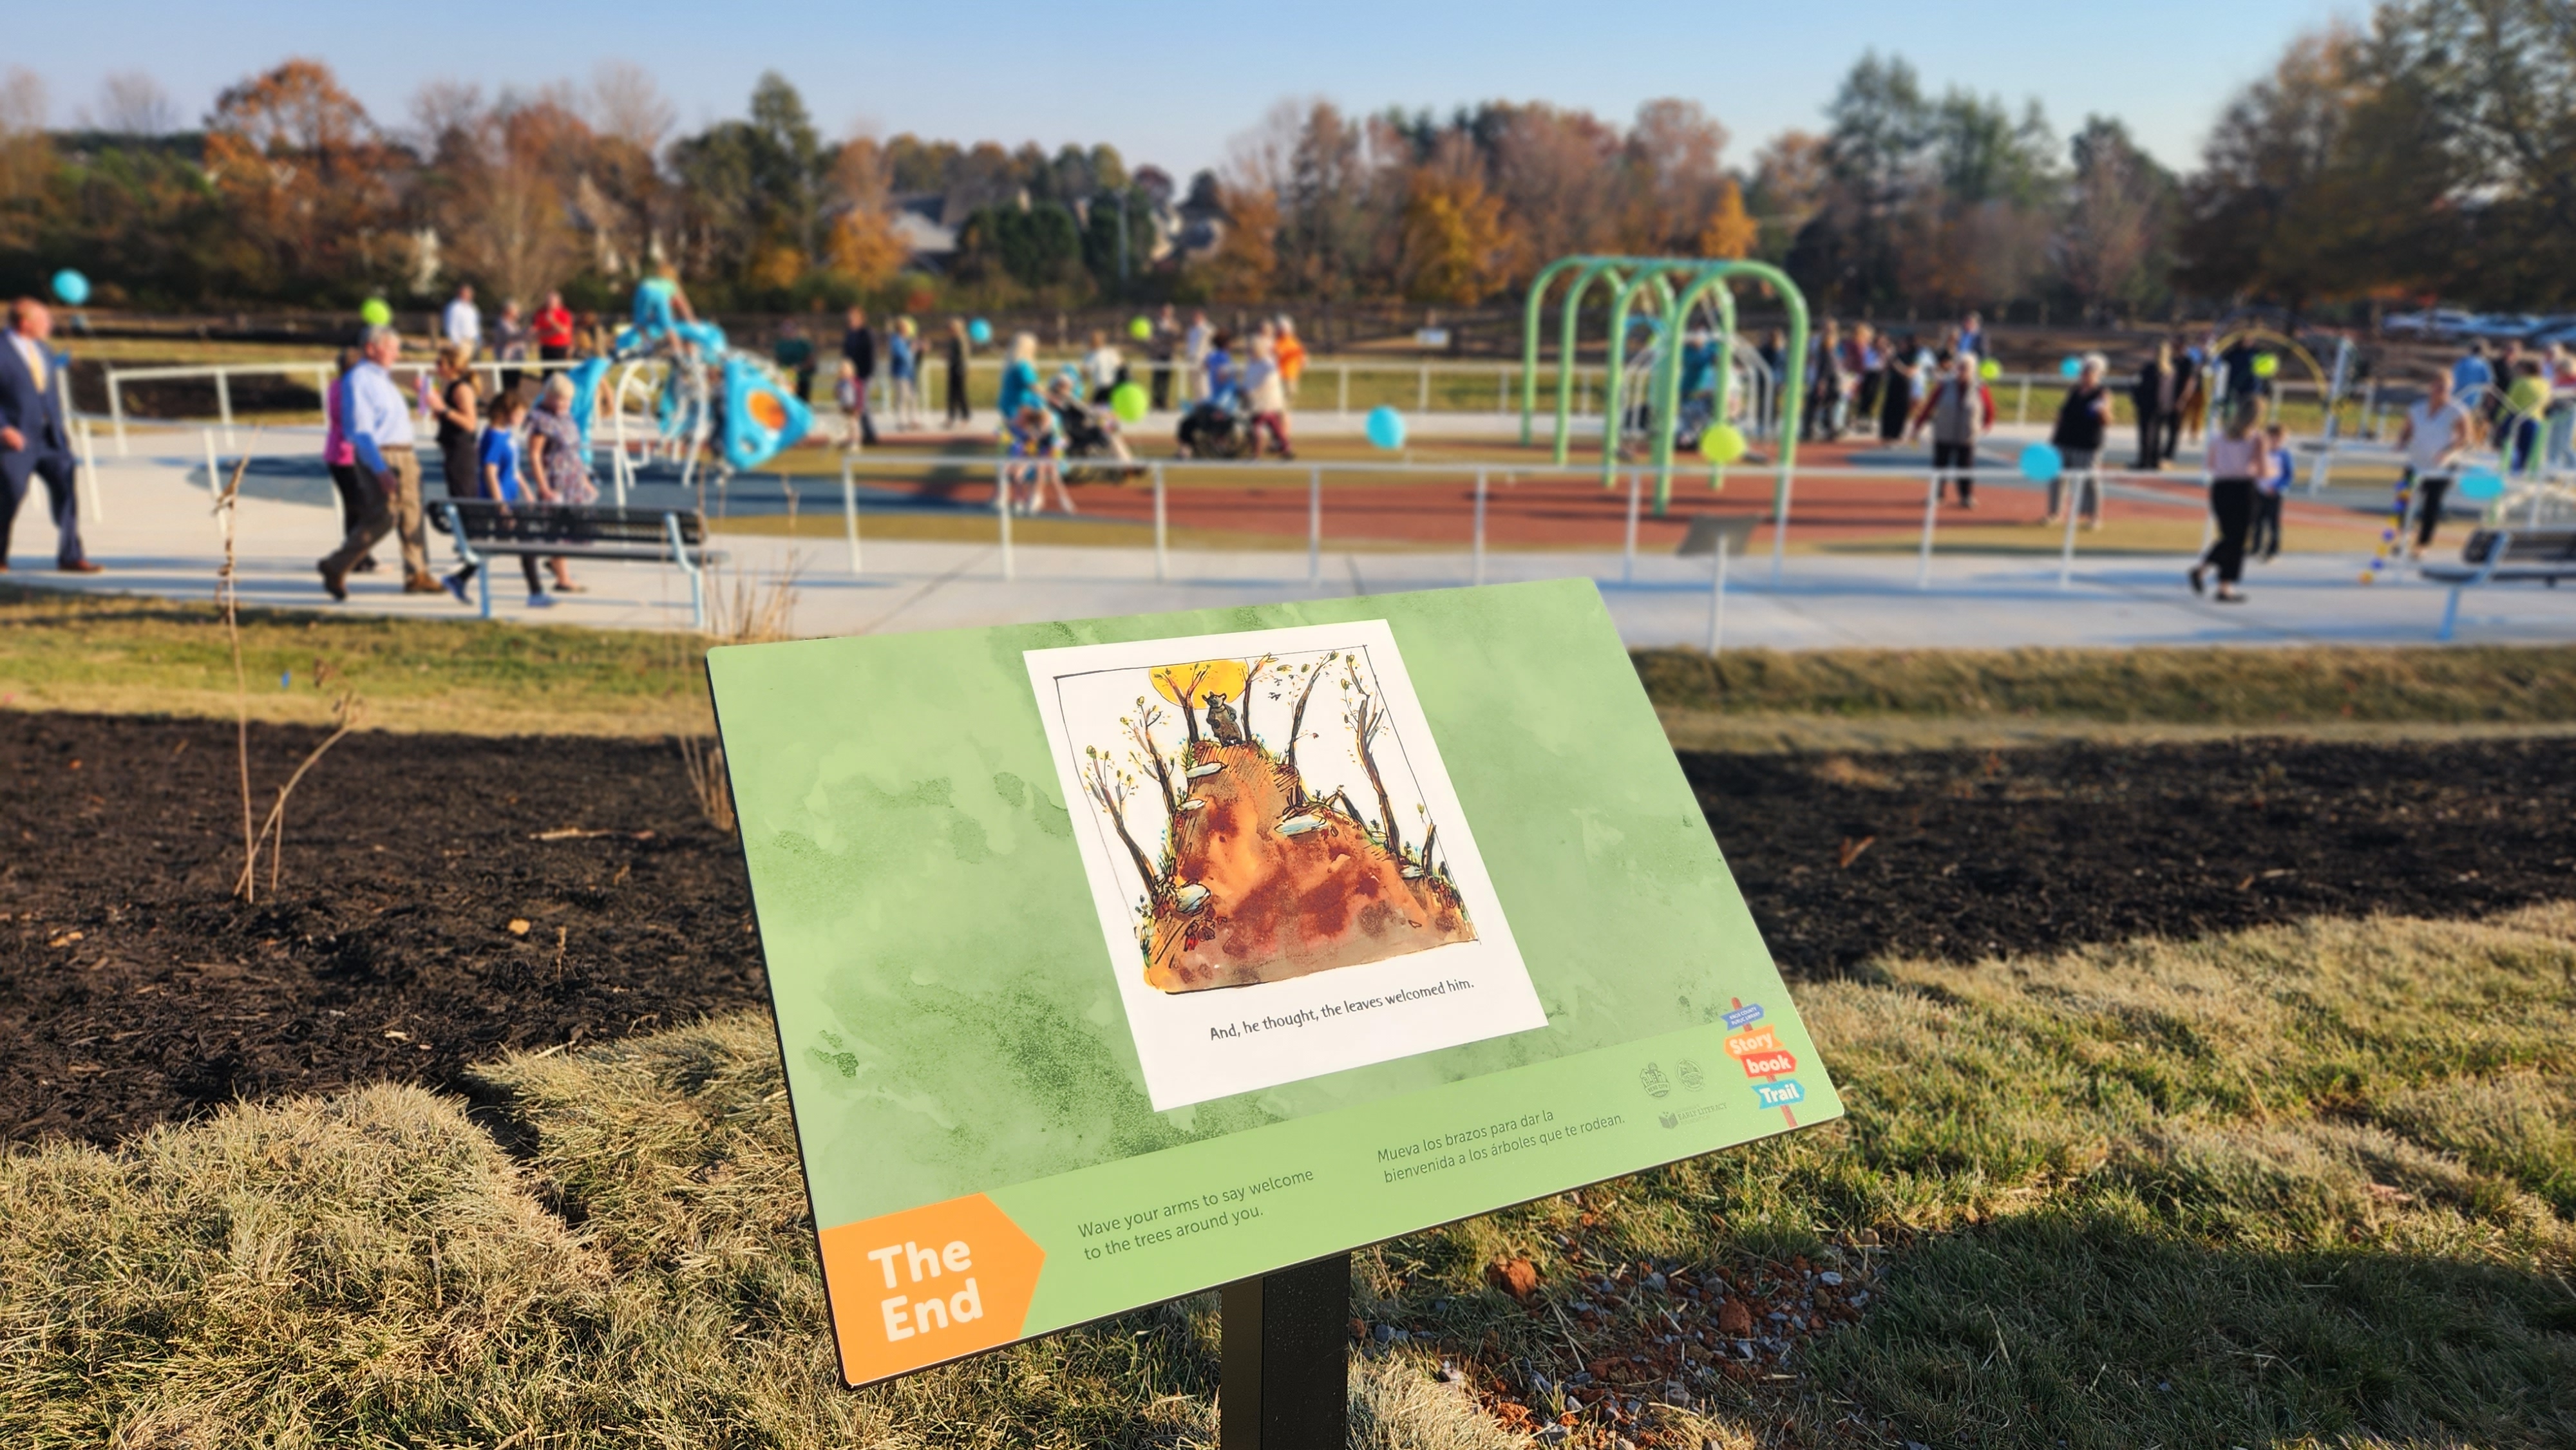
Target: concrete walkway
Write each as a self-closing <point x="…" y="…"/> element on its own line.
<point x="158" y="537"/>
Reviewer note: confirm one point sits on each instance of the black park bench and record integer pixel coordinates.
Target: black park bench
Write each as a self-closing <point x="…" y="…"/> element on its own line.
<point x="2505" y="556"/>
<point x="483" y="528"/>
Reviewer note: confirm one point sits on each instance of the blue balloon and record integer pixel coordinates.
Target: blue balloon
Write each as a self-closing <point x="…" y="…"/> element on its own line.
<point x="71" y="286"/>
<point x="979" y="332"/>
<point x="2481" y="486"/>
<point x="2071" y="367"/>
<point x="2041" y="462"/>
<point x="1386" y="427"/>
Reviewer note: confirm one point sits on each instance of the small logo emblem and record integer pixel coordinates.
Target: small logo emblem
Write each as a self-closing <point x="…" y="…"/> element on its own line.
<point x="1668" y="1120"/>
<point x="1688" y="1071"/>
<point x="1652" y="1079"/>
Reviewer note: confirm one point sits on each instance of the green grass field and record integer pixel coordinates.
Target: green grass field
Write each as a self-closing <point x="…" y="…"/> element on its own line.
<point x="65" y="651"/>
<point x="2307" y="1186"/>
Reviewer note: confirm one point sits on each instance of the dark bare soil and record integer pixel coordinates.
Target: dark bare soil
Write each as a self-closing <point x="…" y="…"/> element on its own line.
<point x="134" y="990"/>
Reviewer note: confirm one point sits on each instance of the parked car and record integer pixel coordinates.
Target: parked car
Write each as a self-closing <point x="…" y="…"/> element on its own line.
<point x="2502" y="324"/>
<point x="2436" y="322"/>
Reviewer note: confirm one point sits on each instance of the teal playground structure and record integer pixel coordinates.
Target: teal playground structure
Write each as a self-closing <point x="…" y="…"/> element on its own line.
<point x="1666" y="296"/>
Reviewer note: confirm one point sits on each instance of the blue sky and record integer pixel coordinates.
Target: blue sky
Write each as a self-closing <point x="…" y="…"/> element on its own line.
<point x="1171" y="83"/>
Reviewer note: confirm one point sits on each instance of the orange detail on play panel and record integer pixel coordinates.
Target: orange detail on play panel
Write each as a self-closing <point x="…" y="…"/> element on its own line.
<point x="767" y="411"/>
<point x="927" y="1284"/>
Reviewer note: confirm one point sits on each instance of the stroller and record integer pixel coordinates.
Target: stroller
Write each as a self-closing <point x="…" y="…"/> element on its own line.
<point x="1217" y="428"/>
<point x="1089" y="432"/>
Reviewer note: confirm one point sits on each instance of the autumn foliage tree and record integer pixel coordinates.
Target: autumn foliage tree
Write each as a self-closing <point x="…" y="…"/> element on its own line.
<point x="1456" y="248"/>
<point x="309" y="180"/>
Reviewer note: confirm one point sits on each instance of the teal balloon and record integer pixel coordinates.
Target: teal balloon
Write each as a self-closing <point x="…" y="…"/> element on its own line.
<point x="1128" y="401"/>
<point x="979" y="332"/>
<point x="2071" y="367"/>
<point x="374" y="312"/>
<point x="71" y="286"/>
<point x="2481" y="486"/>
<point x="1386" y="427"/>
<point x="2041" y="462"/>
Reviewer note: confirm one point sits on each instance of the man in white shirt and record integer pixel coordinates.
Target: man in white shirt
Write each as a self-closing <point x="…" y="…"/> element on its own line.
<point x="2437" y="431"/>
<point x="462" y="323"/>
<point x="377" y="423"/>
<point x="34" y="442"/>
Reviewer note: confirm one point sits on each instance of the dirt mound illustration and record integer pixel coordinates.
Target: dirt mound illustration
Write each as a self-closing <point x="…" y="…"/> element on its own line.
<point x="1269" y="885"/>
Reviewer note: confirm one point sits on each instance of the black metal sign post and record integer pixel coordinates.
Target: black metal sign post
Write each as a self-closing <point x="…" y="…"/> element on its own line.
<point x="1286" y="1347"/>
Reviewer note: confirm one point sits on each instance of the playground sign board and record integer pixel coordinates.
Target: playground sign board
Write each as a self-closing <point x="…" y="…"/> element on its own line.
<point x="1120" y="959"/>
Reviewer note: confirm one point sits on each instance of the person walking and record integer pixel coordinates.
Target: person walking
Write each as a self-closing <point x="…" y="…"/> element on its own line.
<point x="959" y="411"/>
<point x="2235" y="461"/>
<point x="1292" y="355"/>
<point x="1824" y="418"/>
<point x="1103" y="368"/>
<point x="2157" y="395"/>
<point x="903" y="374"/>
<point x="456" y="405"/>
<point x="34" y="440"/>
<point x="552" y="328"/>
<point x="1902" y="378"/>
<point x="2083" y="420"/>
<point x="502" y="481"/>
<point x="380" y="432"/>
<point x="794" y="354"/>
<point x="2280" y="470"/>
<point x="1194" y="351"/>
<point x="1959" y="410"/>
<point x="1265" y="395"/>
<point x="2526" y="402"/>
<point x="461" y="323"/>
<point x="1972" y="335"/>
<point x="2471" y="376"/>
<point x="859" y="345"/>
<point x="1166" y="338"/>
<point x="510" y="345"/>
<point x="342" y="460"/>
<point x="2437" y="430"/>
<point x="558" y="466"/>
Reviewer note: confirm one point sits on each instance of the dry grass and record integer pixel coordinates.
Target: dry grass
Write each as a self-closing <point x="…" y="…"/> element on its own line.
<point x="2311" y="1185"/>
<point x="121" y="655"/>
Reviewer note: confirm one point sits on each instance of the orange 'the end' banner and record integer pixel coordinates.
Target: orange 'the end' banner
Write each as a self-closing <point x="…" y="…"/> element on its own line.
<point x="929" y="1284"/>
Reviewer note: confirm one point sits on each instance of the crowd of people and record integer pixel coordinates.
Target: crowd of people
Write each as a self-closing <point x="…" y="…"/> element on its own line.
<point x="515" y="443"/>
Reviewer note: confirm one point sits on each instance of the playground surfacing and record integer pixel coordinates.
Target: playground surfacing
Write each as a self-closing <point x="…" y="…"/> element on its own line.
<point x="927" y="491"/>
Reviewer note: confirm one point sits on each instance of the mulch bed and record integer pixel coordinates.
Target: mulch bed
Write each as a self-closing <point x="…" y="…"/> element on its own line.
<point x="446" y="899"/>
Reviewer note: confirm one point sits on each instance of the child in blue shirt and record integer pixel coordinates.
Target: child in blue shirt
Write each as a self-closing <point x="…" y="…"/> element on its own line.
<point x="2281" y="469"/>
<point x="498" y="455"/>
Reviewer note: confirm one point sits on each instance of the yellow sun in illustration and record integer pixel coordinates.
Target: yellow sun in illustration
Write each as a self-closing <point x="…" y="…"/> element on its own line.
<point x="1191" y="684"/>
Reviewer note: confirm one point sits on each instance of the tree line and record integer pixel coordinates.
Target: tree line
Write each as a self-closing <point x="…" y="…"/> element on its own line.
<point x="2428" y="153"/>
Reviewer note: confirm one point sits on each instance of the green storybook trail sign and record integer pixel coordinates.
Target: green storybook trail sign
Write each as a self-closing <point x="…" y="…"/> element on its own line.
<point x="1120" y="959"/>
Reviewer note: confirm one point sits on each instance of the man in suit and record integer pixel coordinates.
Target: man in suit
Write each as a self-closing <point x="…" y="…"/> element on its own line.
<point x="33" y="439"/>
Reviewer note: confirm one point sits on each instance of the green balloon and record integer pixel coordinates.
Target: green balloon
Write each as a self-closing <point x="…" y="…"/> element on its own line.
<point x="1128" y="401"/>
<point x="1722" y="444"/>
<point x="374" y="312"/>
<point x="1990" y="370"/>
<point x="1140" y="329"/>
<point x="2265" y="365"/>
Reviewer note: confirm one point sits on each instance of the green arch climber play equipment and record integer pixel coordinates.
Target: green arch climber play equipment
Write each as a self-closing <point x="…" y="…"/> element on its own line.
<point x="1675" y="287"/>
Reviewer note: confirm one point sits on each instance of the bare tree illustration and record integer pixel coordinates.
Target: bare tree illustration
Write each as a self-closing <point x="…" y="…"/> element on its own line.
<point x="1140" y="729"/>
<point x="1367" y="716"/>
<point x="1297" y="717"/>
<point x="1108" y="785"/>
